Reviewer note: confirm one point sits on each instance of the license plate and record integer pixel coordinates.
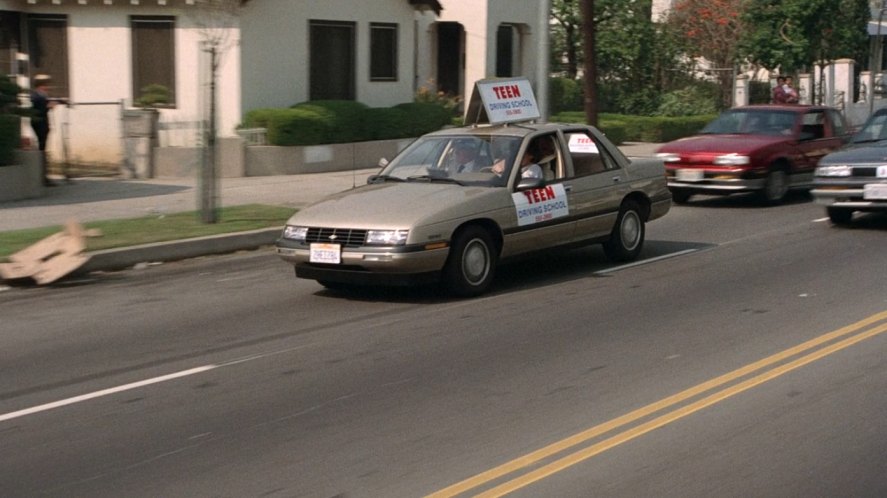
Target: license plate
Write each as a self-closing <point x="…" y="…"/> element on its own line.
<point x="690" y="175"/>
<point x="326" y="253"/>
<point x="875" y="191"/>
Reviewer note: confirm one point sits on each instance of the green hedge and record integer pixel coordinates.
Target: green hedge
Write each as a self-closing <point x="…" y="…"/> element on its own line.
<point x="656" y="129"/>
<point x="336" y="121"/>
<point x="10" y="138"/>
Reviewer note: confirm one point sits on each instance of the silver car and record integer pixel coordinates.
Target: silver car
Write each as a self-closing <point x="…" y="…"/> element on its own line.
<point x="855" y="177"/>
<point x="456" y="202"/>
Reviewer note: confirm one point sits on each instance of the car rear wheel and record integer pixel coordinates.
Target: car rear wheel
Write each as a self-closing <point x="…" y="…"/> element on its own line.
<point x="471" y="265"/>
<point x="775" y="187"/>
<point x="839" y="216"/>
<point x="680" y="196"/>
<point x="627" y="237"/>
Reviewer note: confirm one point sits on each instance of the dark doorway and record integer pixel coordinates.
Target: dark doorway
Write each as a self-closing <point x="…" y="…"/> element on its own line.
<point x="449" y="57"/>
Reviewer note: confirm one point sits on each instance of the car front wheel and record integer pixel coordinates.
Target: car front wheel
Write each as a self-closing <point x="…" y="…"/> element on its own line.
<point x="627" y="237"/>
<point x="471" y="265"/>
<point x="839" y="216"/>
<point x="775" y="187"/>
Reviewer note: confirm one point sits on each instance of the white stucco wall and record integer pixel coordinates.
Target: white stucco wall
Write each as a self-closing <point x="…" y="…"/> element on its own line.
<point x="275" y="50"/>
<point x="100" y="71"/>
<point x="481" y="20"/>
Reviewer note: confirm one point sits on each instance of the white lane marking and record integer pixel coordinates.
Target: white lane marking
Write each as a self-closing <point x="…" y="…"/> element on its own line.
<point x="141" y="383"/>
<point x="104" y="392"/>
<point x="820" y="220"/>
<point x="644" y="261"/>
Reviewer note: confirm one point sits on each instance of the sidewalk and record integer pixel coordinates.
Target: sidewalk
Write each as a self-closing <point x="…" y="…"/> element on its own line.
<point x="94" y="199"/>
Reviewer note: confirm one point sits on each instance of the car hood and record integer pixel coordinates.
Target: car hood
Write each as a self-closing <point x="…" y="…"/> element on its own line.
<point x="736" y="143"/>
<point x="400" y="205"/>
<point x="869" y="153"/>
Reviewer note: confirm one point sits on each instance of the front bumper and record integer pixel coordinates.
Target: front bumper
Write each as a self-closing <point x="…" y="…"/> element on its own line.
<point x="847" y="197"/>
<point x="368" y="265"/>
<point x="715" y="181"/>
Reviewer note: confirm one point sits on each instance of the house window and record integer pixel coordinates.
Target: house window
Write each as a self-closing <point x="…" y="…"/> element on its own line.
<point x="383" y="52"/>
<point x="331" y="63"/>
<point x="153" y="54"/>
<point x="506" y="50"/>
<point x="48" y="50"/>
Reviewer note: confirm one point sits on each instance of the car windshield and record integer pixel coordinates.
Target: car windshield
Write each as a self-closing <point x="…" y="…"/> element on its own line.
<point x="875" y="129"/>
<point x="460" y="159"/>
<point x="752" y="122"/>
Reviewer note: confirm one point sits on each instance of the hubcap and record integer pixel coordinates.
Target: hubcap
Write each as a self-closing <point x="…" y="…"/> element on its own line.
<point x="631" y="230"/>
<point x="776" y="185"/>
<point x="476" y="263"/>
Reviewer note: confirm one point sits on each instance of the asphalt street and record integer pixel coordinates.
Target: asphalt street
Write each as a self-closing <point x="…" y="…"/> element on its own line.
<point x="743" y="356"/>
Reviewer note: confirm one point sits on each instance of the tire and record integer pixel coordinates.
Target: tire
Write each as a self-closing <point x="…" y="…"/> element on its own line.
<point x="839" y="216"/>
<point x="775" y="187"/>
<point x="680" y="196"/>
<point x="334" y="286"/>
<point x="471" y="266"/>
<point x="627" y="237"/>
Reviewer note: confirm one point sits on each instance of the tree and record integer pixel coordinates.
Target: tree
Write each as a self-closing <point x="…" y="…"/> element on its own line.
<point x="590" y="63"/>
<point x="792" y="35"/>
<point x="566" y="34"/>
<point x="215" y="21"/>
<point x="708" y="30"/>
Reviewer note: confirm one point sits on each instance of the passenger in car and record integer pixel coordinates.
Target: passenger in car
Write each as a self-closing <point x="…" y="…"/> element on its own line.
<point x="528" y="166"/>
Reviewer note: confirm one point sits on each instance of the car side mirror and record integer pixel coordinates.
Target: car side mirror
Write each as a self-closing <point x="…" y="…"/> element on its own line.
<point x="383" y="162"/>
<point x="529" y="183"/>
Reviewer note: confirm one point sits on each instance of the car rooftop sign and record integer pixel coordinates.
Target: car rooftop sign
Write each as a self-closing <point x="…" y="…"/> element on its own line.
<point x="502" y="100"/>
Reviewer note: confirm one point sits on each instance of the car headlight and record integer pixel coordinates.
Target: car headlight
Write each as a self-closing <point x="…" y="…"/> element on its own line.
<point x="732" y="160"/>
<point x="387" y="237"/>
<point x="295" y="233"/>
<point x="837" y="170"/>
<point x="668" y="157"/>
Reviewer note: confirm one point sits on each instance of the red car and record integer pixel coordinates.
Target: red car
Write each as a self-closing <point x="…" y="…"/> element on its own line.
<point x="767" y="149"/>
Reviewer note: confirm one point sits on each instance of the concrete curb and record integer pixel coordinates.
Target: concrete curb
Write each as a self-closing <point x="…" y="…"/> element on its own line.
<point x="174" y="250"/>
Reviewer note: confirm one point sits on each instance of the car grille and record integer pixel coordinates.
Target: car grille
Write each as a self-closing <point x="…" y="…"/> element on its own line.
<point x="348" y="237"/>
<point x="866" y="171"/>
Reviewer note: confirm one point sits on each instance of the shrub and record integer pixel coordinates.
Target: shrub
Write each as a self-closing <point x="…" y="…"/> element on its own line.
<point x="421" y="118"/>
<point x="449" y="102"/>
<point x="300" y="127"/>
<point x="565" y="94"/>
<point x="689" y="101"/>
<point x="10" y="121"/>
<point x="349" y="118"/>
<point x="759" y="92"/>
<point x="388" y="122"/>
<point x="258" y="118"/>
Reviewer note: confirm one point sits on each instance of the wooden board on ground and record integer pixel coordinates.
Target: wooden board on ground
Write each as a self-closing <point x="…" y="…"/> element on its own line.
<point x="49" y="259"/>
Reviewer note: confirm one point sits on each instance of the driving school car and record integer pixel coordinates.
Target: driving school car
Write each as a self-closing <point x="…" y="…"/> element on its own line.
<point x="454" y="204"/>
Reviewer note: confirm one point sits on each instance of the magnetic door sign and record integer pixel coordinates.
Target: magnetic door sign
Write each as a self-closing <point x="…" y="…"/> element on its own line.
<point x="540" y="204"/>
<point x="508" y="100"/>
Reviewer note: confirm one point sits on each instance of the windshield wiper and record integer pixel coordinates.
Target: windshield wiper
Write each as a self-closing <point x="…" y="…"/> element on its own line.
<point x="384" y="178"/>
<point x="434" y="178"/>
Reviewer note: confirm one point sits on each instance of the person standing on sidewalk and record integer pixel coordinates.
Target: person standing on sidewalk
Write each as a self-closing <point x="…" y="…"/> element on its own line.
<point x="42" y="104"/>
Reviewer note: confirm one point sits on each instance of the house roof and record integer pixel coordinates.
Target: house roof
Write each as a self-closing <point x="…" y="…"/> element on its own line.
<point x="418" y="4"/>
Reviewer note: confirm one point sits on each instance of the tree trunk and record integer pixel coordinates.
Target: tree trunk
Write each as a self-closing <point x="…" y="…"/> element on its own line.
<point x="590" y="65"/>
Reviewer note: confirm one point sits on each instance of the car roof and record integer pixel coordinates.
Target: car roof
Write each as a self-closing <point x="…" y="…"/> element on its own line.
<point x="506" y="130"/>
<point x="781" y="107"/>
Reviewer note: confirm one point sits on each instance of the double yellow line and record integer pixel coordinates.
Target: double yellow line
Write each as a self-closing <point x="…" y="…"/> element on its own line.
<point x="857" y="332"/>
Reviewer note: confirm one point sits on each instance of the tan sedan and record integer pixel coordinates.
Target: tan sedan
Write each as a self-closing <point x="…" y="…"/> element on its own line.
<point x="456" y="202"/>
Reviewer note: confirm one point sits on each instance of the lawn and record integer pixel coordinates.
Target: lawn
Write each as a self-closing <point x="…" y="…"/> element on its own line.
<point x="158" y="228"/>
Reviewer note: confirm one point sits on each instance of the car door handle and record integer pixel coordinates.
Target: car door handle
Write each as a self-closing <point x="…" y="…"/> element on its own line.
<point x="615" y="179"/>
<point x="568" y="188"/>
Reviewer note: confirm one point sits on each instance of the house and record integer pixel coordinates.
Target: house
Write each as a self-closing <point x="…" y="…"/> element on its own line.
<point x="100" y="53"/>
<point x="382" y="52"/>
<point x="273" y="53"/>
